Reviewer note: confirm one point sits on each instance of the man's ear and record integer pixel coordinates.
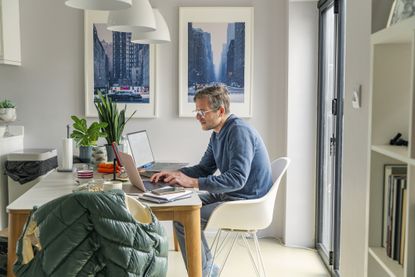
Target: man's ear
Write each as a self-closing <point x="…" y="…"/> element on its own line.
<point x="222" y="110"/>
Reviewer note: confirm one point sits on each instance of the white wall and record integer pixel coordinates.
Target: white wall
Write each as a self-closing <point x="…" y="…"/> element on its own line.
<point x="353" y="243"/>
<point x="49" y="86"/>
<point x="302" y="123"/>
<point x="380" y="14"/>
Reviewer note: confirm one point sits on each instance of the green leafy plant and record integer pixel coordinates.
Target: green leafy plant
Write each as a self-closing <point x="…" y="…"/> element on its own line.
<point x="84" y="135"/>
<point x="7" y="104"/>
<point x="108" y="113"/>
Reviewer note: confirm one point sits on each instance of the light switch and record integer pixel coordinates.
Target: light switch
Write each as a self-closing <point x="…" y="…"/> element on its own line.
<point x="356" y="98"/>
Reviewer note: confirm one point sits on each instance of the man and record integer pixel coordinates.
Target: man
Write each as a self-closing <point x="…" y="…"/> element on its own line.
<point x="236" y="149"/>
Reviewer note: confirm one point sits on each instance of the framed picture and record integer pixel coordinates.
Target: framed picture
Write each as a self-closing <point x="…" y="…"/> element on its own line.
<point x="401" y="9"/>
<point x="115" y="67"/>
<point x="215" y="48"/>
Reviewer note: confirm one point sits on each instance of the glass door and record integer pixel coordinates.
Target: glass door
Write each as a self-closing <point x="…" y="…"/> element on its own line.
<point x="329" y="132"/>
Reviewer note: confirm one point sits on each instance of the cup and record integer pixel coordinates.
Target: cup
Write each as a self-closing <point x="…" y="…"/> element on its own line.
<point x="109" y="185"/>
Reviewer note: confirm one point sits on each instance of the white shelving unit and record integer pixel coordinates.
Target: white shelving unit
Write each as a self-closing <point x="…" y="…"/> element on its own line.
<point x="392" y="111"/>
<point x="10" y="32"/>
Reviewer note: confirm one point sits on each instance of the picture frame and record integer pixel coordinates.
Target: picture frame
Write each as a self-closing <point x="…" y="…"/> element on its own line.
<point x="132" y="84"/>
<point x="400" y="10"/>
<point x="226" y="35"/>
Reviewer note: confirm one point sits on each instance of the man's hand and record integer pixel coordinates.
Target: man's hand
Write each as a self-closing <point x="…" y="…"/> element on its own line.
<point x="175" y="178"/>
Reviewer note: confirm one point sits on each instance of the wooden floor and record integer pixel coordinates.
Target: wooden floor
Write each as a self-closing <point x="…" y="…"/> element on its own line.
<point x="279" y="261"/>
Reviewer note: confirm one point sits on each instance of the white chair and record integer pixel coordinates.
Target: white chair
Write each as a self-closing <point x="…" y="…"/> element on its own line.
<point x="140" y="212"/>
<point x="245" y="217"/>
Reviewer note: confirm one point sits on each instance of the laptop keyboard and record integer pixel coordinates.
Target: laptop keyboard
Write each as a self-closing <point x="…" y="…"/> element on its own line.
<point x="166" y="166"/>
<point x="147" y="174"/>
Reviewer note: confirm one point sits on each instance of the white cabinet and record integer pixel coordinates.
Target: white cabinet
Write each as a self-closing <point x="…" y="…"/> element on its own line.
<point x="10" y="32"/>
<point x="7" y="145"/>
<point x="392" y="111"/>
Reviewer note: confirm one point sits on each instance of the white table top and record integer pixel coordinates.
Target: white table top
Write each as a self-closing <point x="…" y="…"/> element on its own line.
<point x="57" y="184"/>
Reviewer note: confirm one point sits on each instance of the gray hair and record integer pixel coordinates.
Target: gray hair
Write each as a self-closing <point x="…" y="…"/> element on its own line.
<point x="217" y="96"/>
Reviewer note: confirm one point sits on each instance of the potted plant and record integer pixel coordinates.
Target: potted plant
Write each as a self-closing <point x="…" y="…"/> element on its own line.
<point x="7" y="111"/>
<point x="86" y="137"/>
<point x="115" y="119"/>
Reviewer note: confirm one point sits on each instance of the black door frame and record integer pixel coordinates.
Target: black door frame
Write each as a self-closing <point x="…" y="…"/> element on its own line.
<point x="331" y="259"/>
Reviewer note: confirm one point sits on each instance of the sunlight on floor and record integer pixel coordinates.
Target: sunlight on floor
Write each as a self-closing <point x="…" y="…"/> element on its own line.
<point x="279" y="261"/>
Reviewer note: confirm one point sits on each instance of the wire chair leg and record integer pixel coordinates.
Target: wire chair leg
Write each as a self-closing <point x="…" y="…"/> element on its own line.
<point x="255" y="264"/>
<point x="217" y="236"/>
<point x="223" y="243"/>
<point x="215" y="251"/>
<point x="228" y="254"/>
<point x="259" y="254"/>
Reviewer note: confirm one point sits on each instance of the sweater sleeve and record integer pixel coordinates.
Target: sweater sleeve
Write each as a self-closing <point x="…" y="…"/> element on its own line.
<point x="206" y="166"/>
<point x="241" y="150"/>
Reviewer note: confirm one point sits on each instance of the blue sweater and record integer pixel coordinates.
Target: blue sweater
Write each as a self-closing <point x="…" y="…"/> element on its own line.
<point x="240" y="154"/>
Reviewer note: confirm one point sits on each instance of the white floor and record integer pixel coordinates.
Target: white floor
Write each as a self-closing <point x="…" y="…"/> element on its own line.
<point x="279" y="261"/>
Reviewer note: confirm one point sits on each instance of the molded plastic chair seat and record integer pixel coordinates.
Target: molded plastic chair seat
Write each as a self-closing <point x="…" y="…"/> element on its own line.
<point x="245" y="217"/>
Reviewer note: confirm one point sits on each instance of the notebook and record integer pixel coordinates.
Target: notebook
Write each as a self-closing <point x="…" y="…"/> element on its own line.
<point x="143" y="155"/>
<point x="147" y="186"/>
<point x="149" y="196"/>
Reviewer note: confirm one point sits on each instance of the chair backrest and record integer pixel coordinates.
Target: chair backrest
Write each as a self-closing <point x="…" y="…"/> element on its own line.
<point x="278" y="168"/>
<point x="140" y="212"/>
<point x="252" y="214"/>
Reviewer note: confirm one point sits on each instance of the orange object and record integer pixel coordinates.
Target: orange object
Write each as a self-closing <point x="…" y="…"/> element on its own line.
<point x="108" y="165"/>
<point x="107" y="170"/>
<point x="105" y="165"/>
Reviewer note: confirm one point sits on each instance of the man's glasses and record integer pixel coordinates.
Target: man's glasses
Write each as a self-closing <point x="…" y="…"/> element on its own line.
<point x="202" y="113"/>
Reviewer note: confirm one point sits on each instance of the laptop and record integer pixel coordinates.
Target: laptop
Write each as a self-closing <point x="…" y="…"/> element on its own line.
<point x="147" y="186"/>
<point x="143" y="155"/>
<point x="134" y="177"/>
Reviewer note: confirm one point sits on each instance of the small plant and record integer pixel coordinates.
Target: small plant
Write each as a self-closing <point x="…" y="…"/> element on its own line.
<point x="7" y="104"/>
<point x="84" y="135"/>
<point x="108" y="113"/>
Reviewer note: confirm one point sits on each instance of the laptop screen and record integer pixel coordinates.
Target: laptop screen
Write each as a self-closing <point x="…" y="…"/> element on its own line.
<point x="140" y="148"/>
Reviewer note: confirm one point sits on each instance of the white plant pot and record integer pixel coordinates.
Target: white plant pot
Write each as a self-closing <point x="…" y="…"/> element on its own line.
<point x="7" y="114"/>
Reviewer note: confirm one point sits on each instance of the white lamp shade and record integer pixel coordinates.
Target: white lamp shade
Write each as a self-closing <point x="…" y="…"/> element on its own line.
<point x="105" y="5"/>
<point x="138" y="18"/>
<point x="160" y="35"/>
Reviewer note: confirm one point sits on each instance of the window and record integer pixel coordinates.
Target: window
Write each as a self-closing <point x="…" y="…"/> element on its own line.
<point x="329" y="130"/>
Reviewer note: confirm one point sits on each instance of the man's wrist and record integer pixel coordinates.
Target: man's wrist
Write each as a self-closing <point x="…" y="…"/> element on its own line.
<point x="195" y="183"/>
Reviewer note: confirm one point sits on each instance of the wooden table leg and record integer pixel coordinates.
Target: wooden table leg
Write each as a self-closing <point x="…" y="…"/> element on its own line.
<point x="191" y="223"/>
<point x="175" y="241"/>
<point x="16" y="224"/>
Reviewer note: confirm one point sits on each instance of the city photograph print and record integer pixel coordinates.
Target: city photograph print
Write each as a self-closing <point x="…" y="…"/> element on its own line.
<point x="117" y="68"/>
<point x="400" y="10"/>
<point x="216" y="49"/>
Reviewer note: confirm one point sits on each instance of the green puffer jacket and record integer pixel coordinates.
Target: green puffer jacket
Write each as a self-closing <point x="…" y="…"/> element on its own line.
<point x="91" y="234"/>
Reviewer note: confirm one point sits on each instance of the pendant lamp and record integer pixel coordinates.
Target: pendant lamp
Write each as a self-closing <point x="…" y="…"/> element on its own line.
<point x="138" y="18"/>
<point x="104" y="5"/>
<point x="160" y="35"/>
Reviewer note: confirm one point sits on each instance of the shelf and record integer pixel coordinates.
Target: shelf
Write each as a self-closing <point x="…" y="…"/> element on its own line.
<point x="400" y="153"/>
<point x="393" y="268"/>
<point x="398" y="33"/>
<point x="392" y="109"/>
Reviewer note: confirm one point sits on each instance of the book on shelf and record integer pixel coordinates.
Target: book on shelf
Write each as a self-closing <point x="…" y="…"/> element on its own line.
<point x="400" y="184"/>
<point x="390" y="170"/>
<point x="394" y="211"/>
<point x="392" y="217"/>
<point x="403" y="231"/>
